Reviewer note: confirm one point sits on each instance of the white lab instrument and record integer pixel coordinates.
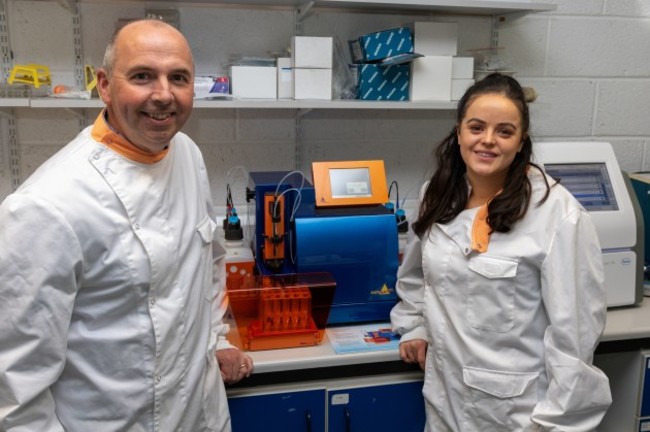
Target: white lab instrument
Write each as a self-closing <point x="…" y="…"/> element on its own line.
<point x="589" y="170"/>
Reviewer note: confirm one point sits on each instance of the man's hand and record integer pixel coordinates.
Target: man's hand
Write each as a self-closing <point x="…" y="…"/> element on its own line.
<point x="234" y="365"/>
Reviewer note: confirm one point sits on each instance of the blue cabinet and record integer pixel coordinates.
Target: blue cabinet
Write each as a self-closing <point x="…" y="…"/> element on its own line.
<point x="294" y="411"/>
<point x="382" y="408"/>
<point x="374" y="404"/>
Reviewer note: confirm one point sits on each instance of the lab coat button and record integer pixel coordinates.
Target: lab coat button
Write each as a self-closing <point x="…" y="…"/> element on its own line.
<point x="136" y="227"/>
<point x="153" y="301"/>
<point x="158" y="378"/>
<point x="97" y="156"/>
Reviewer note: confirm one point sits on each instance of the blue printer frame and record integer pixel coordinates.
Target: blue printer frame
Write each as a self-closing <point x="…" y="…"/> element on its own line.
<point x="357" y="245"/>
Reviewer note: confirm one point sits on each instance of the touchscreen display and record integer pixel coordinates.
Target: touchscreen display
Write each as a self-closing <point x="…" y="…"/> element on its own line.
<point x="350" y="182"/>
<point x="588" y="182"/>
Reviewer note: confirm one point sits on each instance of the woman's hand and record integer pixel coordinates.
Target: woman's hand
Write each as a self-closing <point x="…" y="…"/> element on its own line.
<point x="413" y="351"/>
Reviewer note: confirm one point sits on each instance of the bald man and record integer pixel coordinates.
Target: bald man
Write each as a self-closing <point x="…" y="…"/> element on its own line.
<point x="110" y="282"/>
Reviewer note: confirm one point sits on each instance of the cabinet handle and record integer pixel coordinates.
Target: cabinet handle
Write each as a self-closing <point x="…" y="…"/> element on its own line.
<point x="348" y="426"/>
<point x="308" y="420"/>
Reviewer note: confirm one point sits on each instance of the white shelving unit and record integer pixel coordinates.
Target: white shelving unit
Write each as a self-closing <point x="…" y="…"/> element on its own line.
<point x="500" y="10"/>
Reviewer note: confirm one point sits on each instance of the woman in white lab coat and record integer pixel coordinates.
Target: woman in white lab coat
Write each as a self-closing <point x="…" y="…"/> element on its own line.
<point x="501" y="287"/>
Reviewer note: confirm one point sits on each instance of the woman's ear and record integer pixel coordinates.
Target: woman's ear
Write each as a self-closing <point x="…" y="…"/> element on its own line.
<point x="521" y="144"/>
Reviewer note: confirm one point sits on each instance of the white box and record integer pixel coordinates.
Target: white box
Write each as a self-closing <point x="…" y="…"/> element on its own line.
<point x="462" y="67"/>
<point x="254" y="82"/>
<point x="311" y="52"/>
<point x="312" y="84"/>
<point x="459" y="86"/>
<point x="285" y="78"/>
<point x="435" y="38"/>
<point x="431" y="78"/>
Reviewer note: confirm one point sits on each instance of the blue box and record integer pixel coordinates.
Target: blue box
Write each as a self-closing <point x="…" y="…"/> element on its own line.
<point x="376" y="82"/>
<point x="380" y="45"/>
<point x="641" y="184"/>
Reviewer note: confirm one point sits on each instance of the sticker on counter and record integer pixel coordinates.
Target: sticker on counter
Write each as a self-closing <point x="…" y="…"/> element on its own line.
<point x="367" y="337"/>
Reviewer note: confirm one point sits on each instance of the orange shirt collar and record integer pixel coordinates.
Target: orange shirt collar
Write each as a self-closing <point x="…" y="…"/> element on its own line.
<point x="103" y="133"/>
<point x="481" y="230"/>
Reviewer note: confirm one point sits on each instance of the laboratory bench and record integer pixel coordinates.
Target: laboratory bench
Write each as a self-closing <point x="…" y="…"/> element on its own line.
<point x="316" y="389"/>
<point x="625" y="325"/>
<point x="627" y="329"/>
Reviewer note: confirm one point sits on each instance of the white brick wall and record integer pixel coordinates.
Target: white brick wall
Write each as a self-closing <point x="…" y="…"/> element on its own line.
<point x="589" y="61"/>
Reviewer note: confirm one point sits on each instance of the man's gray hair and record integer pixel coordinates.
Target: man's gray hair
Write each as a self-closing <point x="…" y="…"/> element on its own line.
<point x="109" y="54"/>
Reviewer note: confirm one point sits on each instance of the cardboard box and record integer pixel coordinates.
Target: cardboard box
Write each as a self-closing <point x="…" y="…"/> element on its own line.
<point x="312" y="83"/>
<point x="435" y="38"/>
<point x="462" y="67"/>
<point x="254" y="82"/>
<point x="377" y="82"/>
<point x="459" y="86"/>
<point x="380" y="45"/>
<point x="431" y="78"/>
<point x="285" y="78"/>
<point x="312" y="52"/>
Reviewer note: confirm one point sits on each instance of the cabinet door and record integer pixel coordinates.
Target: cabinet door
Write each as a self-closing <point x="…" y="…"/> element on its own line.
<point x="279" y="412"/>
<point x="383" y="408"/>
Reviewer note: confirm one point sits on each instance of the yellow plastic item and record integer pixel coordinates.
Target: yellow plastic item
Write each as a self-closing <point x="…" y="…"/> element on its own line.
<point x="33" y="74"/>
<point x="91" y="77"/>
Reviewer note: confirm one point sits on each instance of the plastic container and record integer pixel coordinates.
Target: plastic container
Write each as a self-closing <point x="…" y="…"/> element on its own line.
<point x="240" y="260"/>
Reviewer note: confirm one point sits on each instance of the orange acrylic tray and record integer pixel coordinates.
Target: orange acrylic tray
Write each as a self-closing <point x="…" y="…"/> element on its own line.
<point x="280" y="311"/>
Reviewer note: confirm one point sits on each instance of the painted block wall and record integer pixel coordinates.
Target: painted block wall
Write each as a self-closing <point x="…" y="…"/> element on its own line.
<point x="590" y="64"/>
<point x="588" y="61"/>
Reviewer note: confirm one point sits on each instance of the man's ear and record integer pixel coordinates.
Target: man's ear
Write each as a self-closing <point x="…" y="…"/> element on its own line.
<point x="102" y="85"/>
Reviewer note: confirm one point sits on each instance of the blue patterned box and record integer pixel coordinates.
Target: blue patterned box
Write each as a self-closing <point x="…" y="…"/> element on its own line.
<point x="380" y="45"/>
<point x="376" y="82"/>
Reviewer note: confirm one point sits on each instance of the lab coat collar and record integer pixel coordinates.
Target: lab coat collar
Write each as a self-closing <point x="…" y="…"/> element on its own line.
<point x="104" y="133"/>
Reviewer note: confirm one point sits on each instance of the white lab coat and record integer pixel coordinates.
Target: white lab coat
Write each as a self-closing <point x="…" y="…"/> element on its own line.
<point x="511" y="332"/>
<point x="110" y="313"/>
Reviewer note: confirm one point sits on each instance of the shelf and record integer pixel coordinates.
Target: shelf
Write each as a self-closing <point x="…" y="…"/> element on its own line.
<point x="46" y="102"/>
<point x="322" y="104"/>
<point x="242" y="104"/>
<point x="475" y="7"/>
<point x="14" y="102"/>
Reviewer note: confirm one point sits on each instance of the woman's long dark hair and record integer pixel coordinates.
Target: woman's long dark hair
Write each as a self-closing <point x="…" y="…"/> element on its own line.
<point x="447" y="193"/>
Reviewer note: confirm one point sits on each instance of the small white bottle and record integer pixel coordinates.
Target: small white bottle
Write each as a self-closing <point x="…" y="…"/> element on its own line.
<point x="240" y="261"/>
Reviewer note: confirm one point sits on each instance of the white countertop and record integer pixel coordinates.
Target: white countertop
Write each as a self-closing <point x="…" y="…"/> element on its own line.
<point x="622" y="324"/>
<point x="628" y="322"/>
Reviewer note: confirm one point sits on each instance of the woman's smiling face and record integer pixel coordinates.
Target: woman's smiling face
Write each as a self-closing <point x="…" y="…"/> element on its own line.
<point x="490" y="135"/>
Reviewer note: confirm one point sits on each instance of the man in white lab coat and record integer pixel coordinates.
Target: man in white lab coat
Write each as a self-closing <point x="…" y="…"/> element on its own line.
<point x="110" y="282"/>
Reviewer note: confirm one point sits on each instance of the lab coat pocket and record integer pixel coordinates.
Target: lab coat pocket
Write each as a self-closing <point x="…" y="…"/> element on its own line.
<point x="205" y="230"/>
<point x="491" y="293"/>
<point x="498" y="398"/>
